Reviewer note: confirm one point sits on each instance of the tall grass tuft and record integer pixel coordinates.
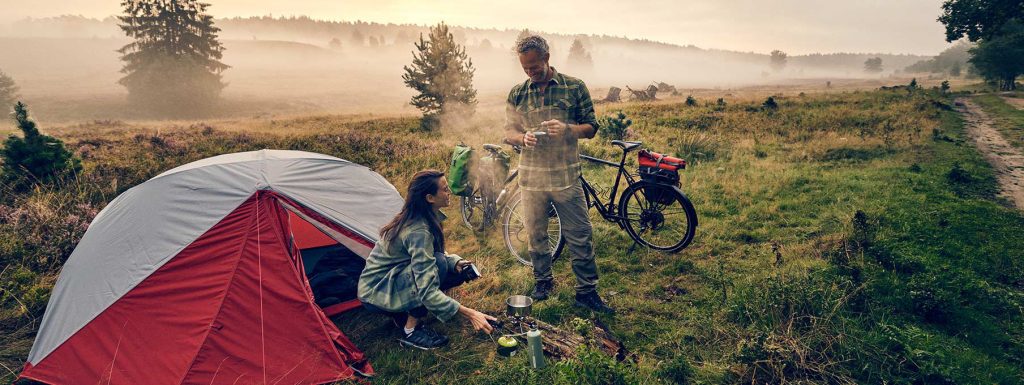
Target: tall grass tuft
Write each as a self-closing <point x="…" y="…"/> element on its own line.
<point x="697" y="147"/>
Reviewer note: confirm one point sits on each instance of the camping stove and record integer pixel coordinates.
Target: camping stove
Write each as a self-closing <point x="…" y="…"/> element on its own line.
<point x="518" y="308"/>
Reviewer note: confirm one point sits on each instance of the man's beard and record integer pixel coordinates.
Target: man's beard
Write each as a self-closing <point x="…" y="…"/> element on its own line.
<point x="543" y="75"/>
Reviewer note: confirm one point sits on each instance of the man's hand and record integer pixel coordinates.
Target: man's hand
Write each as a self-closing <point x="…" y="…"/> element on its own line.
<point x="461" y="264"/>
<point x="529" y="140"/>
<point x="478" y="319"/>
<point x="556" y="128"/>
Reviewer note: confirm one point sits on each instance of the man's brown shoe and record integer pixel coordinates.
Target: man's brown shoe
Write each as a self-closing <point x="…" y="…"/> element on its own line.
<point x="542" y="290"/>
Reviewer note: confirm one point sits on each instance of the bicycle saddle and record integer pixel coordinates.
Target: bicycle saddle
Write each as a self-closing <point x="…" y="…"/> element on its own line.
<point x="627" y="146"/>
<point x="491" y="147"/>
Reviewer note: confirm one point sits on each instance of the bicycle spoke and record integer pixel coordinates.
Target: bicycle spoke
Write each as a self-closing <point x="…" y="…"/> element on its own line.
<point x="518" y="230"/>
<point x="671" y="234"/>
<point x="665" y="230"/>
<point x="677" y="210"/>
<point x="652" y="223"/>
<point x="518" y="219"/>
<point x="517" y="236"/>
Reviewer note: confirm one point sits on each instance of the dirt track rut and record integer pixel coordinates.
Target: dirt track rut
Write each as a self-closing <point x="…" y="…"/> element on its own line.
<point x="1016" y="102"/>
<point x="1007" y="161"/>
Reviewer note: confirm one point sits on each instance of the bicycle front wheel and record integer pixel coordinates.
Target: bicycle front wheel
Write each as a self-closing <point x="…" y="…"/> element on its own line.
<point x="658" y="216"/>
<point x="474" y="211"/>
<point x="517" y="237"/>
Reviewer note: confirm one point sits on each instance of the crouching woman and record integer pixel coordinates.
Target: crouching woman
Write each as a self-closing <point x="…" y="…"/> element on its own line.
<point x="407" y="271"/>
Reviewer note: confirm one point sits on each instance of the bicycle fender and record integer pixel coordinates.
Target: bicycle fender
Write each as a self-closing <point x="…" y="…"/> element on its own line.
<point x="696" y="218"/>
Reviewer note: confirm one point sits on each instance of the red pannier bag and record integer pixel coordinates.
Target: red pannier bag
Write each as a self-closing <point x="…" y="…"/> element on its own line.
<point x="662" y="170"/>
<point x="653" y="159"/>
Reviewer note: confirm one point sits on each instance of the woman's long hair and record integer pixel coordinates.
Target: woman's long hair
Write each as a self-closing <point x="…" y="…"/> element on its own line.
<point x="416" y="207"/>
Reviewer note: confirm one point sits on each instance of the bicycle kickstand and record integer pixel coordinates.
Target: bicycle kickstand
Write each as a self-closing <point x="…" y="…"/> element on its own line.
<point x="632" y="248"/>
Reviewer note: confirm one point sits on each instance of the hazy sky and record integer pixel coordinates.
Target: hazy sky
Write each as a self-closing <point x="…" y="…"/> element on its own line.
<point x="794" y="26"/>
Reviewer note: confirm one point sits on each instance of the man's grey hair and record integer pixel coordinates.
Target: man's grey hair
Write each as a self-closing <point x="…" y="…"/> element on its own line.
<point x="532" y="42"/>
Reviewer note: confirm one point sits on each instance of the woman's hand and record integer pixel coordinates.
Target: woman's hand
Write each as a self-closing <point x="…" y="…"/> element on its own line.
<point x="478" y="319"/>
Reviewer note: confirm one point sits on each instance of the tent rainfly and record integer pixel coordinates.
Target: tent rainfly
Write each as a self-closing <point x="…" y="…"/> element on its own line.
<point x="195" y="276"/>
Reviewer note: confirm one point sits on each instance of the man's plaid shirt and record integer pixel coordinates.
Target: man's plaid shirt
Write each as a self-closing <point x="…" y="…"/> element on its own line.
<point x="552" y="165"/>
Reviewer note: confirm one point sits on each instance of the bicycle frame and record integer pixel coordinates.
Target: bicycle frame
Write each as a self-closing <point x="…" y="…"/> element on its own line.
<point x="488" y="196"/>
<point x="610" y="211"/>
<point x="508" y="189"/>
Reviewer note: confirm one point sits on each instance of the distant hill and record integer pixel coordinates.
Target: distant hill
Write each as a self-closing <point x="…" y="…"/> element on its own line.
<point x="353" y="34"/>
<point x="71" y="61"/>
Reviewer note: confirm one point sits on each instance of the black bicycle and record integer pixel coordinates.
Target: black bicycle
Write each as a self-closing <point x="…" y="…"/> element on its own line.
<point x="652" y="209"/>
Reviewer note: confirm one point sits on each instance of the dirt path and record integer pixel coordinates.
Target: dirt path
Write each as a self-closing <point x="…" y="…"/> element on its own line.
<point x="1016" y="102"/>
<point x="1007" y="161"/>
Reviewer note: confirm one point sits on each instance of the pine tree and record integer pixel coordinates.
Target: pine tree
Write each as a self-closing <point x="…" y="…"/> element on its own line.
<point x="173" y="65"/>
<point x="8" y="91"/>
<point x="614" y="127"/>
<point x="579" y="58"/>
<point x="34" y="157"/>
<point x="442" y="73"/>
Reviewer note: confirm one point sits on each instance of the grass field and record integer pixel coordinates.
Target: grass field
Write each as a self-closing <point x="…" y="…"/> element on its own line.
<point x="844" y="238"/>
<point x="1009" y="120"/>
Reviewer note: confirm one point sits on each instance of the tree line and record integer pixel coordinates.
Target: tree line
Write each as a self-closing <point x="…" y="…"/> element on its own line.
<point x="173" y="64"/>
<point x="997" y="29"/>
<point x="954" y="61"/>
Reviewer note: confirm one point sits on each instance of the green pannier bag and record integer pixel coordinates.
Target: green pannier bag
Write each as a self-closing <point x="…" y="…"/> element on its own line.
<point x="458" y="171"/>
<point x="496" y="168"/>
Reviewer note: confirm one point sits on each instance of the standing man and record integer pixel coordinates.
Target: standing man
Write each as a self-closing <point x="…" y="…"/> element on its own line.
<point x="547" y="114"/>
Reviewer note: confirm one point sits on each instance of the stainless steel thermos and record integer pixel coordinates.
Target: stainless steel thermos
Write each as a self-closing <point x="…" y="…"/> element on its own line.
<point x="535" y="348"/>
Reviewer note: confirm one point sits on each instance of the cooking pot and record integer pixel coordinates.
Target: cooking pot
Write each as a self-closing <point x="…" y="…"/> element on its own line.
<point x="519" y="305"/>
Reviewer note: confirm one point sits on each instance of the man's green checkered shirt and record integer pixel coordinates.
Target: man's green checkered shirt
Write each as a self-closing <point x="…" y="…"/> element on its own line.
<point x="552" y="165"/>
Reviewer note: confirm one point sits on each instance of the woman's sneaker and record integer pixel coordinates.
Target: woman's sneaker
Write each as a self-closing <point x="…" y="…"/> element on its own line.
<point x="424" y="338"/>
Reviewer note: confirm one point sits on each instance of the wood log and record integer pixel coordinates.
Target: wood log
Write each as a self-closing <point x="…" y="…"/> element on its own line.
<point x="613" y="94"/>
<point x="561" y="344"/>
<point x="640" y="95"/>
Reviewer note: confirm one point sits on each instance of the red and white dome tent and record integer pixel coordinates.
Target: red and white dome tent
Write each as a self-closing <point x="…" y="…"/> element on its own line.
<point x="195" y="276"/>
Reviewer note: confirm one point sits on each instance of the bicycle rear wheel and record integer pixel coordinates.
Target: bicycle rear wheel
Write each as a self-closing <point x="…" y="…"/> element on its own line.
<point x="668" y="225"/>
<point x="517" y="237"/>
